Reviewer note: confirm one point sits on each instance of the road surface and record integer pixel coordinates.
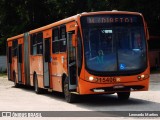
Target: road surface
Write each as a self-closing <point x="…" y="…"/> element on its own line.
<point x="25" y="99"/>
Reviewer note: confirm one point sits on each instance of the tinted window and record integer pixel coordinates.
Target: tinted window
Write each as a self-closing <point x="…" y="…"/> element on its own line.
<point x="37" y="43"/>
<point x="14" y="47"/>
<point x="9" y="55"/>
<point x="114" y="43"/>
<point x="55" y="38"/>
<point x="62" y="40"/>
<point x="59" y="39"/>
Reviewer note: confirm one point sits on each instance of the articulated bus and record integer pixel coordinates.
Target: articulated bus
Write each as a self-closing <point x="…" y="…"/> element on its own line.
<point x="90" y="53"/>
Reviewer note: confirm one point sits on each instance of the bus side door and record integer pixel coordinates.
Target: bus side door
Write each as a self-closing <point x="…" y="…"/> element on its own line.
<point x="46" y="62"/>
<point x="72" y="71"/>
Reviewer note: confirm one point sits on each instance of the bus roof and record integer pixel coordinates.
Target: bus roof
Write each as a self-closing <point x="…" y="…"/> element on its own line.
<point x="15" y="37"/>
<point x="73" y="18"/>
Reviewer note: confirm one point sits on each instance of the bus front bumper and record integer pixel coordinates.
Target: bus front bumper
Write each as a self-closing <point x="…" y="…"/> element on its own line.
<point x="86" y="87"/>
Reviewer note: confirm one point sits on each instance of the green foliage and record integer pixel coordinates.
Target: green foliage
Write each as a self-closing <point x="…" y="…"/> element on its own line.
<point x="19" y="16"/>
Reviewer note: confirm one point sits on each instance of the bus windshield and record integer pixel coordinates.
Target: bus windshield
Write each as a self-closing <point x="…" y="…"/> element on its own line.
<point x="114" y="44"/>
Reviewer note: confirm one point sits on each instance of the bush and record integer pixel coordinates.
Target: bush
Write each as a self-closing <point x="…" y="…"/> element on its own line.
<point x="3" y="70"/>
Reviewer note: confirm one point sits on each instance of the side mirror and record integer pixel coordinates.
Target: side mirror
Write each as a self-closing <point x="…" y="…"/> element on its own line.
<point x="74" y="40"/>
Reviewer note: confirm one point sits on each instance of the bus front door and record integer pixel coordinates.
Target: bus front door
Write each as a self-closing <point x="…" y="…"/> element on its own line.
<point x="46" y="61"/>
<point x="72" y="71"/>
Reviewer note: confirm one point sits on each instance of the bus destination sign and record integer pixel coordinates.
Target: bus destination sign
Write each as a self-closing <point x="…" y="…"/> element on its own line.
<point x="109" y="19"/>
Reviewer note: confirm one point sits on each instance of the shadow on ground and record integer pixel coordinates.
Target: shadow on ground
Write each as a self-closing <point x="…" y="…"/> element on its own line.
<point x="103" y="102"/>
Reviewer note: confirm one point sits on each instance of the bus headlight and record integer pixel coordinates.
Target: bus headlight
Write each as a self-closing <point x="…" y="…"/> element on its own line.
<point x="91" y="78"/>
<point x="143" y="77"/>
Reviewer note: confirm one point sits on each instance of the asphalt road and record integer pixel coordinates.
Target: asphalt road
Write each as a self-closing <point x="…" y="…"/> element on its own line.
<point x="25" y="99"/>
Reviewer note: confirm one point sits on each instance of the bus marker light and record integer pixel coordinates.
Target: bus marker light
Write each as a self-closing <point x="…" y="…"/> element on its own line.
<point x="139" y="77"/>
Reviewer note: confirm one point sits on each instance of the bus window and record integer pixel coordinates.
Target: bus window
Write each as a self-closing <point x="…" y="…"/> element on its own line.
<point x="116" y="44"/>
<point x="9" y="55"/>
<point x="55" y="43"/>
<point x="14" y="48"/>
<point x="63" y="32"/>
<point x="47" y="50"/>
<point x="33" y="44"/>
<point x="72" y="55"/>
<point x="37" y="43"/>
<point x="62" y="41"/>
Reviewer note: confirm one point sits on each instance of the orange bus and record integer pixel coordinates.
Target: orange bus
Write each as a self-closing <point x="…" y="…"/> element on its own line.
<point x="90" y="53"/>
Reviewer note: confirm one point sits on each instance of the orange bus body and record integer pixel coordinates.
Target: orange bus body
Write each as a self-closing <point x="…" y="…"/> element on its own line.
<point x="47" y="56"/>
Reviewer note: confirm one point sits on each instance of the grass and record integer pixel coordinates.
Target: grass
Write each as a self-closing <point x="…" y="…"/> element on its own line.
<point x="3" y="74"/>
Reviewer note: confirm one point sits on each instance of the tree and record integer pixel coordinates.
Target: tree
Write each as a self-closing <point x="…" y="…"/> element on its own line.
<point x="19" y="16"/>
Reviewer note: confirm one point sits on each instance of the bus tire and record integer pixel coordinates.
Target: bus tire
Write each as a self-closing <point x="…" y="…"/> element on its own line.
<point x="36" y="88"/>
<point x="69" y="97"/>
<point x="123" y="95"/>
<point x="16" y="85"/>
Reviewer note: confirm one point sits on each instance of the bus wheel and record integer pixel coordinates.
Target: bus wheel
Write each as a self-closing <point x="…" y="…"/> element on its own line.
<point x="123" y="95"/>
<point x="69" y="97"/>
<point x="36" y="88"/>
